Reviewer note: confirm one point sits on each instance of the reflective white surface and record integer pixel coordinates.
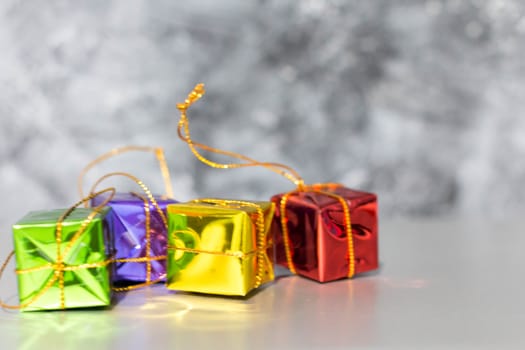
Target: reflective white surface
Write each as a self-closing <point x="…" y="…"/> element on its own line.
<point x="442" y="285"/>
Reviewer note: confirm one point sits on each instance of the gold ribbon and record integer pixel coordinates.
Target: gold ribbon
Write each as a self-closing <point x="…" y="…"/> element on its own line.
<point x="260" y="251"/>
<point x="59" y="266"/>
<point x="283" y="170"/>
<point x="159" y="154"/>
<point x="183" y="131"/>
<point x="149" y="257"/>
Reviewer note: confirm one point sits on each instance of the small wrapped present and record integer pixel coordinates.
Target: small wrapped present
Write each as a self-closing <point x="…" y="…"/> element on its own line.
<point x="140" y="222"/>
<point x="139" y="235"/>
<point x="326" y="232"/>
<point x="63" y="259"/>
<point x="219" y="246"/>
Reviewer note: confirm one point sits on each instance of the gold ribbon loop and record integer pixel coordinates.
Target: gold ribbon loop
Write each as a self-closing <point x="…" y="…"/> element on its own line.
<point x="149" y="257"/>
<point x="159" y="154"/>
<point x="59" y="266"/>
<point x="184" y="134"/>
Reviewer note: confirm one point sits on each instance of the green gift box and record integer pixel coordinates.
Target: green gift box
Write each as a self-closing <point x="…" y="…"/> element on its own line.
<point x="63" y="259"/>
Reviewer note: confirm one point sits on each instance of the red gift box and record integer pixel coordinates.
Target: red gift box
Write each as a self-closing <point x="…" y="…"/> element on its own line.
<point x="312" y="237"/>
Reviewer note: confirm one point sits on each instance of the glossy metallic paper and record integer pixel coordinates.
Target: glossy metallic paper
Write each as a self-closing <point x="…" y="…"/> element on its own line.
<point x="214" y="248"/>
<point x="318" y="240"/>
<point x="130" y="236"/>
<point x="36" y="246"/>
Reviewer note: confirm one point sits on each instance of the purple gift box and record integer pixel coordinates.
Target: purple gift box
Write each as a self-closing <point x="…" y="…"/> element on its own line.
<point x="129" y="234"/>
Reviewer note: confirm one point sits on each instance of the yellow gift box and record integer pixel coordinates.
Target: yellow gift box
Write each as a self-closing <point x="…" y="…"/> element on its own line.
<point x="219" y="246"/>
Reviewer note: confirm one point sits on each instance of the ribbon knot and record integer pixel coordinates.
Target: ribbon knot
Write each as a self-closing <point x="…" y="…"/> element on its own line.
<point x="59" y="267"/>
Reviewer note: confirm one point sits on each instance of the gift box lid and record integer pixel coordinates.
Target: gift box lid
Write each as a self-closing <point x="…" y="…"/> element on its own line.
<point x="37" y="230"/>
<point x="212" y="227"/>
<point x="203" y="207"/>
<point x="318" y="199"/>
<point x="49" y="218"/>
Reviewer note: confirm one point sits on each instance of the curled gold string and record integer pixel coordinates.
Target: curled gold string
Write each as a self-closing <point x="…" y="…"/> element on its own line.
<point x="149" y="257"/>
<point x="284" y="170"/>
<point x="59" y="266"/>
<point x="183" y="132"/>
<point x="159" y="154"/>
<point x="262" y="259"/>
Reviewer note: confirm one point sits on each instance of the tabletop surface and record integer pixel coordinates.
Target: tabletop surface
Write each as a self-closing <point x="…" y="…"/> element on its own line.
<point x="443" y="284"/>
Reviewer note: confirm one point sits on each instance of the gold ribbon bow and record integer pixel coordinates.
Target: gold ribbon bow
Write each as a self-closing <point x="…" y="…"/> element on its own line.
<point x="60" y="266"/>
<point x="149" y="257"/>
<point x="281" y="169"/>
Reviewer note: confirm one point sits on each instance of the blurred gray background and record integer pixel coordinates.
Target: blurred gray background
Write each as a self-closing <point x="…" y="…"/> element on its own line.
<point x="418" y="101"/>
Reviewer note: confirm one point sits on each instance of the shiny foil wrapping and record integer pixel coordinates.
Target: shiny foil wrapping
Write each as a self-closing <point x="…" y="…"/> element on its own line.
<point x="129" y="236"/>
<point x="213" y="248"/>
<point x="36" y="246"/>
<point x="318" y="240"/>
